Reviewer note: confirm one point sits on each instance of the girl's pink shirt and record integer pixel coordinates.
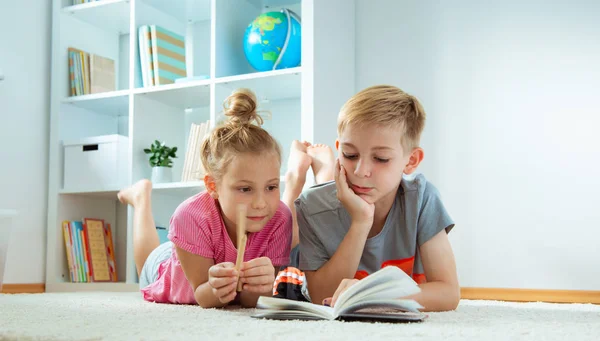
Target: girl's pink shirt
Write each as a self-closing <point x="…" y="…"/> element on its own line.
<point x="197" y="227"/>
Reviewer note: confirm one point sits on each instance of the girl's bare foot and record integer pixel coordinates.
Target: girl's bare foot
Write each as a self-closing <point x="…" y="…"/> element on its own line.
<point x="133" y="195"/>
<point x="298" y="164"/>
<point x="323" y="162"/>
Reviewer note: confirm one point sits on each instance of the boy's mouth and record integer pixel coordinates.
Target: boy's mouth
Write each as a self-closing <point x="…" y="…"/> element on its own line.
<point x="257" y="218"/>
<point x="362" y="190"/>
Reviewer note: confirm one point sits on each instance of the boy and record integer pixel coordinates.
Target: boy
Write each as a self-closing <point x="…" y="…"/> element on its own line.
<point x="371" y="216"/>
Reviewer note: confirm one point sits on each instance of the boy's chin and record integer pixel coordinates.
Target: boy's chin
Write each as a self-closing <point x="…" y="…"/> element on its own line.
<point x="370" y="199"/>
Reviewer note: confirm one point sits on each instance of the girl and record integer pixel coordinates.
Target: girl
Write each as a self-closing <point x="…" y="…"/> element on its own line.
<point x="242" y="163"/>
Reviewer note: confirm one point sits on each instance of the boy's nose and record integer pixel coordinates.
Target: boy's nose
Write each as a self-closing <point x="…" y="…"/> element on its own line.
<point x="363" y="169"/>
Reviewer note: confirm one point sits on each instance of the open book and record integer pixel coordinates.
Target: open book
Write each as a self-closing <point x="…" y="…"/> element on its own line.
<point x="377" y="297"/>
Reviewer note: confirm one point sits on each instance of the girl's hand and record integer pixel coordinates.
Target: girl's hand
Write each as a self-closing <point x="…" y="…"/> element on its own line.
<point x="258" y="275"/>
<point x="223" y="279"/>
<point x="360" y="210"/>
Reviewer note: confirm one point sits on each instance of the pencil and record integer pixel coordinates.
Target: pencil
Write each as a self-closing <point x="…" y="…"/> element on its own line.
<point x="241" y="241"/>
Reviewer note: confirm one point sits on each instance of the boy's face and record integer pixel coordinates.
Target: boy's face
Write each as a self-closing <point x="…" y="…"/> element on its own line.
<point x="374" y="160"/>
<point x="251" y="180"/>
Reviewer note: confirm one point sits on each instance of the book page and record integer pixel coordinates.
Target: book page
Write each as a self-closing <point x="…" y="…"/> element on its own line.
<point x="385" y="275"/>
<point x="281" y="304"/>
<point x="383" y="305"/>
<point x="387" y="290"/>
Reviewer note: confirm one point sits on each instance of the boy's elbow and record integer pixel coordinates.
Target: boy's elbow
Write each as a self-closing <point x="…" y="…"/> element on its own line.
<point x="454" y="298"/>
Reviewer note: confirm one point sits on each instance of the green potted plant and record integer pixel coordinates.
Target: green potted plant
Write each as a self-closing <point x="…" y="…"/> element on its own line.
<point x="161" y="161"/>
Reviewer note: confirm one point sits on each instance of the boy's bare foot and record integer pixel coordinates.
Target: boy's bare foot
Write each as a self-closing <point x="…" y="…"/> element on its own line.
<point x="133" y="195"/>
<point x="299" y="161"/>
<point x="323" y="162"/>
<point x="298" y="164"/>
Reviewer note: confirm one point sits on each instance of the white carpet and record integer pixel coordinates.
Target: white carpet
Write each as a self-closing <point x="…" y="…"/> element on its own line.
<point x="125" y="316"/>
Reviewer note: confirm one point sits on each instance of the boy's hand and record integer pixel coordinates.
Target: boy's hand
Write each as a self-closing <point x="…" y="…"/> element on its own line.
<point x="344" y="285"/>
<point x="360" y="210"/>
<point x="223" y="279"/>
<point x="258" y="275"/>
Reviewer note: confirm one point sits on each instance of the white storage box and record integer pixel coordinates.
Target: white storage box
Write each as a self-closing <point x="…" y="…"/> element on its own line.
<point x="98" y="162"/>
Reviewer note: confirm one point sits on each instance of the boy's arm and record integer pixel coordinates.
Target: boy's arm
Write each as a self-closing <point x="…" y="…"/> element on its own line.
<point x="442" y="291"/>
<point x="323" y="282"/>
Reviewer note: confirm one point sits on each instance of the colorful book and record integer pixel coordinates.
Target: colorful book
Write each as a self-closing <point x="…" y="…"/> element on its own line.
<point x="168" y="55"/>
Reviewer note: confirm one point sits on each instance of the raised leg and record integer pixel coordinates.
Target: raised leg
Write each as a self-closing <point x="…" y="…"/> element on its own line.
<point x="145" y="237"/>
<point x="298" y="164"/>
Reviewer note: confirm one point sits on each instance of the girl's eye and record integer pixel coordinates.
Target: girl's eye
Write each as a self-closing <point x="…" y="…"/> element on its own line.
<point x="378" y="159"/>
<point x="244" y="189"/>
<point x="272" y="188"/>
<point x="349" y="156"/>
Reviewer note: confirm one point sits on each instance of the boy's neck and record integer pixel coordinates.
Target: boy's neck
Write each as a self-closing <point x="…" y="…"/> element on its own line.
<point x="382" y="209"/>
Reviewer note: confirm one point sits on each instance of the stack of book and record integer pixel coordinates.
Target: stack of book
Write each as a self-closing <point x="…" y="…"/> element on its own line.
<point x="162" y="55"/>
<point x="90" y="73"/>
<point x="90" y="251"/>
<point x="78" y="2"/>
<point x="192" y="165"/>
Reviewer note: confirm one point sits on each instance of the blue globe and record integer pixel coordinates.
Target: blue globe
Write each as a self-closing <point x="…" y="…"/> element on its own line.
<point x="265" y="38"/>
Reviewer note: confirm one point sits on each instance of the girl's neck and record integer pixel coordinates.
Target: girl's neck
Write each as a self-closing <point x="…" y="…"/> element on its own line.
<point x="230" y="226"/>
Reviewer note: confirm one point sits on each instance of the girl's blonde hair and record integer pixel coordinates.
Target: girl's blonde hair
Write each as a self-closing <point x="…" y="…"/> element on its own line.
<point x="386" y="106"/>
<point x="240" y="133"/>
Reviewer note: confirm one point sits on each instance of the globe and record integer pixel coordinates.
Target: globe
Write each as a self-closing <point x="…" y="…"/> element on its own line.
<point x="265" y="41"/>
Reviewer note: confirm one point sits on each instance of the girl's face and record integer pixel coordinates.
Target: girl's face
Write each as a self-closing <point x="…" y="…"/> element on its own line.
<point x="251" y="180"/>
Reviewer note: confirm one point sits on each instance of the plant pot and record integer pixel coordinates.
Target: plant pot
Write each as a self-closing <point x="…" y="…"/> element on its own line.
<point x="161" y="175"/>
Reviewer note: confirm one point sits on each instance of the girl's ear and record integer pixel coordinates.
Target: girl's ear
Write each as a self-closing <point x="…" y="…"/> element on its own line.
<point x="211" y="186"/>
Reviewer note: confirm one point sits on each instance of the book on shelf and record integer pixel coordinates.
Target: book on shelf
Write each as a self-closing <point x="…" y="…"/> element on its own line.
<point x="89" y="250"/>
<point x="90" y="73"/>
<point x="162" y="55"/>
<point x="192" y="165"/>
<point x="377" y="297"/>
<point x="79" y="2"/>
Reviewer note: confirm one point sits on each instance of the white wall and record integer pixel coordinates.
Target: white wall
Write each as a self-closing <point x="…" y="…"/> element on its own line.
<point x="25" y="33"/>
<point x="512" y="140"/>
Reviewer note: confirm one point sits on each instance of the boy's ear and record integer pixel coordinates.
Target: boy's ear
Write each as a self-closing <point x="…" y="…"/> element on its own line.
<point x="211" y="186"/>
<point x="415" y="158"/>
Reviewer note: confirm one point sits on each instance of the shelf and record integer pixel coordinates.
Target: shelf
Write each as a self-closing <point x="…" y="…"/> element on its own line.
<point x="111" y="15"/>
<point x="193" y="94"/>
<point x="102" y="193"/>
<point x="113" y="103"/>
<point x="95" y="286"/>
<point x="179" y="188"/>
<point x="268" y="85"/>
<point x="188" y="11"/>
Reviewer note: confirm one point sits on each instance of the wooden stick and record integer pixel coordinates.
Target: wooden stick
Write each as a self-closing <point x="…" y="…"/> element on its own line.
<point x="241" y="241"/>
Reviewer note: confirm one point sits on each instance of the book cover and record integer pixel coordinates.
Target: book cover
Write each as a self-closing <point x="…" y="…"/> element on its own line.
<point x="96" y="244"/>
<point x="168" y="53"/>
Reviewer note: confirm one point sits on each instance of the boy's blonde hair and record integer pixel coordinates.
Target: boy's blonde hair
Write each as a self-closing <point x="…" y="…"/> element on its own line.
<point x="240" y="133"/>
<point x="386" y="106"/>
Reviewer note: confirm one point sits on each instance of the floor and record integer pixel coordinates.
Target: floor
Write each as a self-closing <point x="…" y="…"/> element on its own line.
<point x="125" y="316"/>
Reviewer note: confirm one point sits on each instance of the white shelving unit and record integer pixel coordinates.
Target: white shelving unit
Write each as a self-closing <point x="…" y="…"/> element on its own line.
<point x="303" y="101"/>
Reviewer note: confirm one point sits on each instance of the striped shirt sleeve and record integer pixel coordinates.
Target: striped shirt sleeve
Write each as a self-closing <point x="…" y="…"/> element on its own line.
<point x="279" y="243"/>
<point x="191" y="233"/>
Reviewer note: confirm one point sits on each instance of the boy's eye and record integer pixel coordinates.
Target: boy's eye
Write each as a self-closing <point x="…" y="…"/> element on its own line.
<point x="378" y="159"/>
<point x="349" y="156"/>
<point x="244" y="189"/>
<point x="272" y="188"/>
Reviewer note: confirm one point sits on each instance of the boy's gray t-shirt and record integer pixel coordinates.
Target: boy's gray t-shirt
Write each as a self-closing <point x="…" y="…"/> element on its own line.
<point x="416" y="216"/>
